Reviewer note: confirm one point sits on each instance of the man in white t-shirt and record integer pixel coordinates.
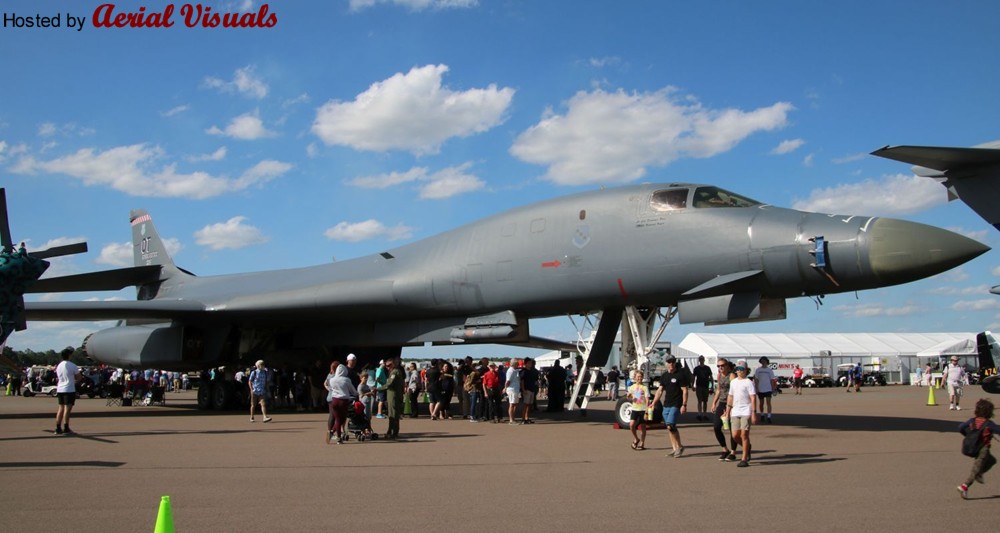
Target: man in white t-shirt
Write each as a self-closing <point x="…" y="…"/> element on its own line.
<point x="67" y="374"/>
<point x="741" y="410"/>
<point x="763" y="381"/>
<point x="513" y="387"/>
<point x="954" y="376"/>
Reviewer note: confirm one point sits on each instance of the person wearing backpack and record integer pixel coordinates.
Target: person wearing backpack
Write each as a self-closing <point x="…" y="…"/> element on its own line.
<point x="981" y="425"/>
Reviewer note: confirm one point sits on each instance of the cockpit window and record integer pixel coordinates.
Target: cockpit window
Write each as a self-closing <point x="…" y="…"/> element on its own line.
<point x="716" y="197"/>
<point x="669" y="200"/>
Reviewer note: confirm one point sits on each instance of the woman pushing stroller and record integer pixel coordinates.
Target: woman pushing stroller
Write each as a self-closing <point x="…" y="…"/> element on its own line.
<point x="340" y="394"/>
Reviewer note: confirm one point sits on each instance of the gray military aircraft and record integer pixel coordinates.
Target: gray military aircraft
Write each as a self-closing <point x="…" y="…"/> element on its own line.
<point x="970" y="174"/>
<point x="702" y="252"/>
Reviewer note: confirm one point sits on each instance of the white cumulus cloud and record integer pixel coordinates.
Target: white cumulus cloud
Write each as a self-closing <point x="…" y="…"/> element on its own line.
<point x="444" y="183"/>
<point x="898" y="194"/>
<point x="231" y="234"/>
<point x="247" y="127"/>
<point x="411" y="112"/>
<point x="366" y="230"/>
<point x="612" y="137"/>
<point x="976" y="305"/>
<point x="245" y="81"/>
<point x="131" y="169"/>
<point x="120" y="254"/>
<point x="787" y="146"/>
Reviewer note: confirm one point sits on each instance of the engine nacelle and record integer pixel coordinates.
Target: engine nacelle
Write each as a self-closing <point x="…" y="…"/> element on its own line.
<point x="160" y="346"/>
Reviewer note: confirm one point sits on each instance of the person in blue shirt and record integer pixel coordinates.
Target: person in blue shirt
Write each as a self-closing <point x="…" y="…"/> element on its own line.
<point x="259" y="384"/>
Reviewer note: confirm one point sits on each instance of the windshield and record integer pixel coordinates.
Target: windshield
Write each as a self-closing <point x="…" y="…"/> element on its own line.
<point x="670" y="199"/>
<point x="716" y="197"/>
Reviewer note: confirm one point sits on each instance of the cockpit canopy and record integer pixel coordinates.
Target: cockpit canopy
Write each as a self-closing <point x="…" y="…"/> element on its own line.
<point x="678" y="198"/>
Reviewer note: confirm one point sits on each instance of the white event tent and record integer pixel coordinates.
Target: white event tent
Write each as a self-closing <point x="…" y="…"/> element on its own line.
<point x="897" y="354"/>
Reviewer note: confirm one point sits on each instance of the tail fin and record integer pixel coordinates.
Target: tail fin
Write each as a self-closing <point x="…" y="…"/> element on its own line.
<point x="147" y="247"/>
<point x="148" y="251"/>
<point x="970" y="174"/>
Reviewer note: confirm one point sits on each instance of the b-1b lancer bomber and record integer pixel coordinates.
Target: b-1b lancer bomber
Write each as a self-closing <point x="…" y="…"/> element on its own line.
<point x="640" y="252"/>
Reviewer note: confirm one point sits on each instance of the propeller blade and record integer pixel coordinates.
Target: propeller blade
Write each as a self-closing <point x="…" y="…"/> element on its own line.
<point x="4" y="225"/>
<point x="59" y="251"/>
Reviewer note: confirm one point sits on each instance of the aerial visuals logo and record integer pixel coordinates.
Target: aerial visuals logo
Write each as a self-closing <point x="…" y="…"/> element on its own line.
<point x="109" y="15"/>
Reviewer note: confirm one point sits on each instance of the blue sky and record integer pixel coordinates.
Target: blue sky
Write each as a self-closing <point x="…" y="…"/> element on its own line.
<point x="352" y="126"/>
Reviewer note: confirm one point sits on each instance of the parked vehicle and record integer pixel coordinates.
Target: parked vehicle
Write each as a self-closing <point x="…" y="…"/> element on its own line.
<point x="35" y="387"/>
<point x="816" y="376"/>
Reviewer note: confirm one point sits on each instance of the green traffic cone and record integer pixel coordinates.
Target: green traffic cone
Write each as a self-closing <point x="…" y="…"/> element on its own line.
<point x="165" y="518"/>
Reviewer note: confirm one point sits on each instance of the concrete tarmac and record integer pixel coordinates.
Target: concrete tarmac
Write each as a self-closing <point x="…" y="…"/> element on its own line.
<point x="831" y="461"/>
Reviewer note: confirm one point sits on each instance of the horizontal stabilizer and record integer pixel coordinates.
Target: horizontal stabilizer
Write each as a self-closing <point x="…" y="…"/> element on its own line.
<point x="59" y="251"/>
<point x="113" y="310"/>
<point x="104" y="280"/>
<point x="940" y="157"/>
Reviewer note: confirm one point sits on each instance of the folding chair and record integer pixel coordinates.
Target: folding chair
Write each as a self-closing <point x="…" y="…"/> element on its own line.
<point x="115" y="393"/>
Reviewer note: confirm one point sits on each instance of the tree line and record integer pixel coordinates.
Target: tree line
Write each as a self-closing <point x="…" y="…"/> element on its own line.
<point x="24" y="358"/>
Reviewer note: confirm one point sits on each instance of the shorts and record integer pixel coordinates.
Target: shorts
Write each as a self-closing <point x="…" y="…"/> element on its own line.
<point x="380" y="396"/>
<point x="954" y="390"/>
<point x="258" y="398"/>
<point x="701" y="393"/>
<point x="670" y="415"/>
<point x="528" y="397"/>
<point x="434" y="396"/>
<point x="66" y="398"/>
<point x="514" y="396"/>
<point x="739" y="423"/>
<point x="762" y="395"/>
<point x="797" y="382"/>
<point x="638" y="416"/>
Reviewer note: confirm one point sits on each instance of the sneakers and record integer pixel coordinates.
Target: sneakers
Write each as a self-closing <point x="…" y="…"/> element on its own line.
<point x="67" y="430"/>
<point x="678" y="452"/>
<point x="963" y="491"/>
<point x="267" y="419"/>
<point x="59" y="431"/>
<point x="742" y="464"/>
<point x="724" y="456"/>
<point x="951" y="407"/>
<point x="957" y="408"/>
<point x="252" y="420"/>
<point x="329" y="435"/>
<point x="731" y="457"/>
<point x="379" y="416"/>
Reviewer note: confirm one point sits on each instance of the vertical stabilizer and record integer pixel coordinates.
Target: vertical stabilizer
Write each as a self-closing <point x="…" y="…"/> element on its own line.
<point x="147" y="247"/>
<point x="148" y="250"/>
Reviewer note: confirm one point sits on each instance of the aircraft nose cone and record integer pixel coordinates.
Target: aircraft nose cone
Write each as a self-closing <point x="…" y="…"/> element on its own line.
<point x="902" y="251"/>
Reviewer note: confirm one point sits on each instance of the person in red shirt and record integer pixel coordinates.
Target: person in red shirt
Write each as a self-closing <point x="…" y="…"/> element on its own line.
<point x="491" y="390"/>
<point x="797" y="379"/>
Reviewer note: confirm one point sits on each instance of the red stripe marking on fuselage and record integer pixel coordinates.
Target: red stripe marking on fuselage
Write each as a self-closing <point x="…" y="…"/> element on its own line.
<point x="621" y="289"/>
<point x="551" y="264"/>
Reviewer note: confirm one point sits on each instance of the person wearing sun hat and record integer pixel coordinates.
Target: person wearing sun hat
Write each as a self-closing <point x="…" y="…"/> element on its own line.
<point x="954" y="376"/>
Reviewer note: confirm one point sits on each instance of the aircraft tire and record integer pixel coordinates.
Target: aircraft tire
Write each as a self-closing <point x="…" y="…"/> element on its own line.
<point x="991" y="385"/>
<point x="623" y="412"/>
<point x="222" y="397"/>
<point x="205" y="395"/>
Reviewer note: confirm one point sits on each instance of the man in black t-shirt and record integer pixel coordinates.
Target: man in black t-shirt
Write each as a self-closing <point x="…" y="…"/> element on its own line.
<point x="613" y="377"/>
<point x="529" y="386"/>
<point x="702" y="375"/>
<point x="673" y="391"/>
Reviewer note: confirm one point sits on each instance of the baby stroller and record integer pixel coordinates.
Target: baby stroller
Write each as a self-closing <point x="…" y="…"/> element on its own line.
<point x="358" y="423"/>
